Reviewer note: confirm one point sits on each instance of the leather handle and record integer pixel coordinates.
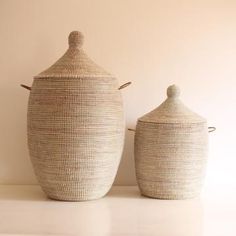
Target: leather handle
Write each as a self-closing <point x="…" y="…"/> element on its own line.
<point x="25" y="86"/>
<point x="124" y="85"/>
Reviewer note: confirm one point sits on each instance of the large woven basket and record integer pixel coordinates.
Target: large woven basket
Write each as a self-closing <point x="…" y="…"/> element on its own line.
<point x="75" y="126"/>
<point x="171" y="150"/>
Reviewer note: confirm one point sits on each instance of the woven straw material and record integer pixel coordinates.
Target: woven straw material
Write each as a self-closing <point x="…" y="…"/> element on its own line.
<point x="170" y="156"/>
<point x="74" y="63"/>
<point x="75" y="129"/>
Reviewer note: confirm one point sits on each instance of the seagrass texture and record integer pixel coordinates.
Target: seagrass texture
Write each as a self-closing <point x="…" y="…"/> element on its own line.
<point x="75" y="127"/>
<point x="171" y="154"/>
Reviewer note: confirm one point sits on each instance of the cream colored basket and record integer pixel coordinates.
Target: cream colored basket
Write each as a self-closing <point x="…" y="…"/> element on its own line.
<point x="75" y="126"/>
<point x="171" y="145"/>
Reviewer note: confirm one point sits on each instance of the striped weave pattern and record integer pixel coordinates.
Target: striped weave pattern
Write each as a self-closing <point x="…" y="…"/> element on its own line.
<point x="75" y="136"/>
<point x="170" y="158"/>
<point x="75" y="127"/>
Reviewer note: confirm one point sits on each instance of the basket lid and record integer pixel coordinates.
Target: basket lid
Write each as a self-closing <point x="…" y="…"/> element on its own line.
<point x="172" y="110"/>
<point x="74" y="63"/>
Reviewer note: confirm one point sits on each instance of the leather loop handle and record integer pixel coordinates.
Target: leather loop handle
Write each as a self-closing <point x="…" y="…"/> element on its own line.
<point x="133" y="130"/>
<point x="124" y="85"/>
<point x="25" y="86"/>
<point x="211" y="129"/>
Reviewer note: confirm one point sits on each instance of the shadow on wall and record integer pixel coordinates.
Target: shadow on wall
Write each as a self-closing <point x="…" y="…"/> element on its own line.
<point x="14" y="154"/>
<point x="125" y="177"/>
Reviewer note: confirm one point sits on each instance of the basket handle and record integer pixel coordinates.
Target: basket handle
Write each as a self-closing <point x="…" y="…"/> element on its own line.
<point x="133" y="130"/>
<point x="124" y="85"/>
<point x="121" y="87"/>
<point x="211" y="129"/>
<point x="25" y="86"/>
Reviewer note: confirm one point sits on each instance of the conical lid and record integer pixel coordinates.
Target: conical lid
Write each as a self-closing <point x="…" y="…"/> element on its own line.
<point x="74" y="63"/>
<point x="172" y="110"/>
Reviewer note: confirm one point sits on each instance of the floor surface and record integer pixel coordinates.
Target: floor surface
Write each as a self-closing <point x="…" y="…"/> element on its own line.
<point x="25" y="210"/>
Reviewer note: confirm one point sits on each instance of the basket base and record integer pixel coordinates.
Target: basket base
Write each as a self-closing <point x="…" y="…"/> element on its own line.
<point x="169" y="197"/>
<point x="76" y="194"/>
<point x="80" y="199"/>
<point x="169" y="191"/>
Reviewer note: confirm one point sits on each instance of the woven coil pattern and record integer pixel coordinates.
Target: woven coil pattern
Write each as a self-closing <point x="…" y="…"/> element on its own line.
<point x="75" y="127"/>
<point x="75" y="136"/>
<point x="170" y="158"/>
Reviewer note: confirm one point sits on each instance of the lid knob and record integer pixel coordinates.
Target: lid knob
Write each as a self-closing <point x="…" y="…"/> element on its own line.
<point x="76" y="39"/>
<point x="173" y="91"/>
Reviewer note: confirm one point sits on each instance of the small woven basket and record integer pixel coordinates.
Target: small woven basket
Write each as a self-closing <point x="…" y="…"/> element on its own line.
<point x="171" y="145"/>
<point x="75" y="126"/>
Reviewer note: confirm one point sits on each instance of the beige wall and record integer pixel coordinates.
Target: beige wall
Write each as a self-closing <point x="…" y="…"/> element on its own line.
<point x="154" y="44"/>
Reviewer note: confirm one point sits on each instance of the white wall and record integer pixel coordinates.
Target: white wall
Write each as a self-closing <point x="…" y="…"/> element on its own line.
<point x="153" y="43"/>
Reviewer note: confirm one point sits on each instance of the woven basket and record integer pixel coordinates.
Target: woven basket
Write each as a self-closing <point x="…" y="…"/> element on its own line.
<point x="75" y="126"/>
<point x="171" y="150"/>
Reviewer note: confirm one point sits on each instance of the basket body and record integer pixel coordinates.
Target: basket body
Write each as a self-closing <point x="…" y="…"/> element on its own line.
<point x="170" y="159"/>
<point x="171" y="145"/>
<point x="75" y="135"/>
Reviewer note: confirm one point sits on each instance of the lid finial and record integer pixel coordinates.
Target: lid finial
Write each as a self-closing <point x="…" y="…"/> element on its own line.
<point x="173" y="91"/>
<point x="76" y="39"/>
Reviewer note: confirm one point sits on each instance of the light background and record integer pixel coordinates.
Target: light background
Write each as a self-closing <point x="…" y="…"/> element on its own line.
<point x="153" y="43"/>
